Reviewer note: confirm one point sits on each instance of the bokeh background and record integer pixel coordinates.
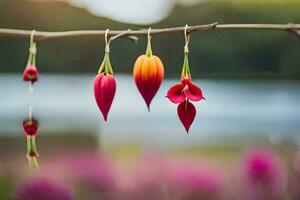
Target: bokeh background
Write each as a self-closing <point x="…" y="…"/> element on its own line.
<point x="243" y="143"/>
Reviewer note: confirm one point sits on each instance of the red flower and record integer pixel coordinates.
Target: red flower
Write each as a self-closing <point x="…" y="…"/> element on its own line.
<point x="186" y="112"/>
<point x="185" y="90"/>
<point x="30" y="127"/>
<point x="104" y="90"/>
<point x="30" y="74"/>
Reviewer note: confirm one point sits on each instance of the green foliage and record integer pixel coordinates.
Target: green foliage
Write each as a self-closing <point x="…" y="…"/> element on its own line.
<point x="224" y="53"/>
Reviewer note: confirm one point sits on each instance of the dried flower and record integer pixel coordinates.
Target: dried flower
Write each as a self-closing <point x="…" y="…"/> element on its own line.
<point x="264" y="175"/>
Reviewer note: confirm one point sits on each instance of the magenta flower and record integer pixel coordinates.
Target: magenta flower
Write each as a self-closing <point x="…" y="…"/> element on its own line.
<point x="183" y="93"/>
<point x="105" y="83"/>
<point x="264" y="174"/>
<point x="104" y="90"/>
<point x="42" y="190"/>
<point x="185" y="90"/>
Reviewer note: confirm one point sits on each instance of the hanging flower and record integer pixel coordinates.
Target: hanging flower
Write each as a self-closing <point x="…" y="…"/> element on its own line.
<point x="185" y="91"/>
<point x="148" y="73"/>
<point x="104" y="90"/>
<point x="30" y="127"/>
<point x="105" y="84"/>
<point x="30" y="73"/>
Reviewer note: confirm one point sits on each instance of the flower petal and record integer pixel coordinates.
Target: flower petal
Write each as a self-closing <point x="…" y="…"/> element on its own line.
<point x="175" y="93"/>
<point x="186" y="112"/>
<point x="194" y="93"/>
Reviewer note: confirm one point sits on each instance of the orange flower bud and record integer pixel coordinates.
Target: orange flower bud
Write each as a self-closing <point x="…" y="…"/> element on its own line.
<point x="148" y="73"/>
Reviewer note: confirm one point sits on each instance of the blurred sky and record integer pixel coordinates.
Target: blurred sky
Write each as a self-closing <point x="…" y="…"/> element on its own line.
<point x="130" y="11"/>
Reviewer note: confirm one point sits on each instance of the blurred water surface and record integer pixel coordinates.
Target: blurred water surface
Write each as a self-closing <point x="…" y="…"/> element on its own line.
<point x="232" y="109"/>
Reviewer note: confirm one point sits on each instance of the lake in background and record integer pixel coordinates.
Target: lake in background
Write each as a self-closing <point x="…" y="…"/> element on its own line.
<point x="232" y="109"/>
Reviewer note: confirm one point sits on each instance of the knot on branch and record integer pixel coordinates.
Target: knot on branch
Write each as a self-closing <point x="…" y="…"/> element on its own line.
<point x="214" y="25"/>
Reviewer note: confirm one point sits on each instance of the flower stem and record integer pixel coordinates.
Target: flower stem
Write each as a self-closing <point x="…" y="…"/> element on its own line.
<point x="107" y="66"/>
<point x="101" y="68"/>
<point x="29" y="61"/>
<point x="149" y="48"/>
<point x="32" y="153"/>
<point x="186" y="68"/>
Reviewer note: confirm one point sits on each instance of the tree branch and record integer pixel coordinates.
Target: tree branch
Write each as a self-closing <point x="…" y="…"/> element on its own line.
<point x="42" y="35"/>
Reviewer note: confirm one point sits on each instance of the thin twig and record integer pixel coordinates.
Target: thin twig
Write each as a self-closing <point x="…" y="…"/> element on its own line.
<point x="134" y="38"/>
<point x="42" y="35"/>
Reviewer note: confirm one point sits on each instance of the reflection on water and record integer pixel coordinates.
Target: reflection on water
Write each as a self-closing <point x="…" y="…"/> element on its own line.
<point x="232" y="109"/>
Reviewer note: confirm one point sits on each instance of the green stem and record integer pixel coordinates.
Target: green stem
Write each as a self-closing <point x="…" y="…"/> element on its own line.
<point x="105" y="65"/>
<point x="29" y="61"/>
<point x="33" y="59"/>
<point x="33" y="46"/>
<point x="31" y="146"/>
<point x="34" y="148"/>
<point x="32" y="153"/>
<point x="149" y="49"/>
<point x="102" y="65"/>
<point x="185" y="68"/>
<point x="108" y="65"/>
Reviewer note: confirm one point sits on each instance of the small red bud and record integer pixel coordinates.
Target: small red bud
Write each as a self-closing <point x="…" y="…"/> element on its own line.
<point x="30" y="74"/>
<point x="30" y="127"/>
